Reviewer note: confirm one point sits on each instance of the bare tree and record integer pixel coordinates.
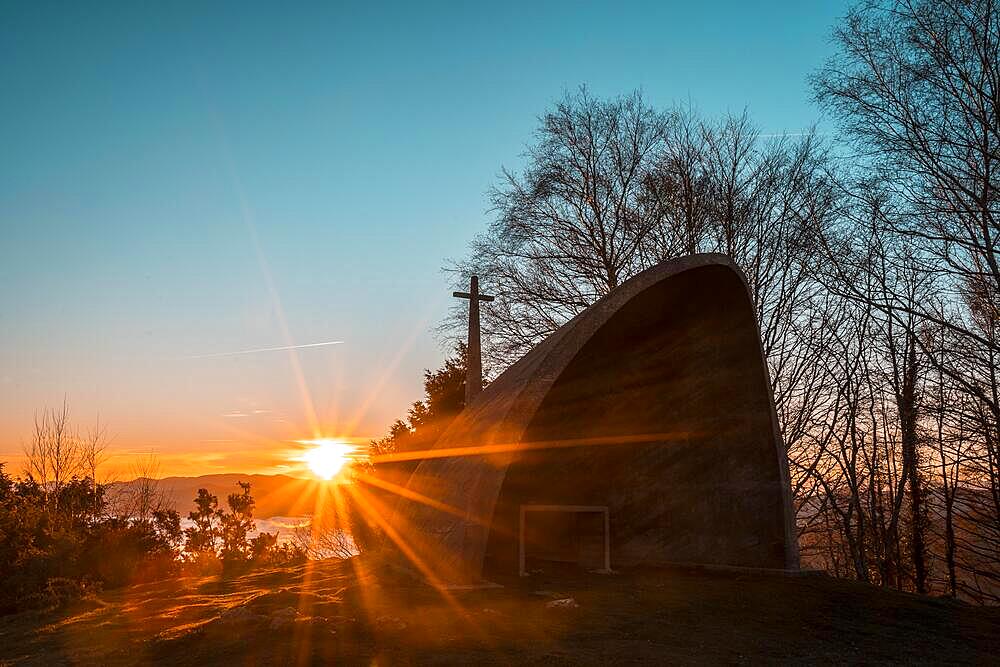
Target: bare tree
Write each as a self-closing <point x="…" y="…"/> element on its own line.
<point x="678" y="191"/>
<point x="145" y="495"/>
<point x="93" y="453"/>
<point x="915" y="86"/>
<point x="54" y="455"/>
<point x="139" y="496"/>
<point x="569" y="228"/>
<point x="325" y="540"/>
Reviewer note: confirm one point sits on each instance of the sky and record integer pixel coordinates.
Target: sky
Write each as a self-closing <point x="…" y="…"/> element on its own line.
<point x="179" y="181"/>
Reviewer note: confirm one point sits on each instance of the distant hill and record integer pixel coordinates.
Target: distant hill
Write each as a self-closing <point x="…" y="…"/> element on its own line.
<point x="276" y="495"/>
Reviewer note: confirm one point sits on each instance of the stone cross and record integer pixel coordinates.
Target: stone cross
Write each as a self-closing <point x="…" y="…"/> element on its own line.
<point x="474" y="358"/>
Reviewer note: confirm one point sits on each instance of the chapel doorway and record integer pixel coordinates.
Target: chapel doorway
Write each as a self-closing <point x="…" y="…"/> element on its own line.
<point x="564" y="534"/>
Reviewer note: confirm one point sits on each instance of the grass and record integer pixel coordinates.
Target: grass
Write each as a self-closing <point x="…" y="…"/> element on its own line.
<point x="357" y="612"/>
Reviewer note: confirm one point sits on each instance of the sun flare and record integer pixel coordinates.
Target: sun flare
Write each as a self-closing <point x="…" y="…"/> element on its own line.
<point x="327" y="457"/>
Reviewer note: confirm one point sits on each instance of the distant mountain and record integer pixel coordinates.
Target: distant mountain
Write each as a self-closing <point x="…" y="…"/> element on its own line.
<point x="275" y="495"/>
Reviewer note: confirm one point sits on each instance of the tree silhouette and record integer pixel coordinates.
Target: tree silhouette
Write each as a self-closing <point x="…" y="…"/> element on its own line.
<point x="236" y="524"/>
<point x="201" y="538"/>
<point x="426" y="420"/>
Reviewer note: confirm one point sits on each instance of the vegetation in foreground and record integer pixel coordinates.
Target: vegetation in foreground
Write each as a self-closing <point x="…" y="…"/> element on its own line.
<point x="62" y="537"/>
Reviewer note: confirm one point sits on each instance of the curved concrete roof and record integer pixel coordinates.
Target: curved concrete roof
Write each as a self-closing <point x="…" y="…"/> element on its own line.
<point x="452" y="543"/>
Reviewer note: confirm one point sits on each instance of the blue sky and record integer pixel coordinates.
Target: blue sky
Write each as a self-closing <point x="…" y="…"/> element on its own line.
<point x="170" y="175"/>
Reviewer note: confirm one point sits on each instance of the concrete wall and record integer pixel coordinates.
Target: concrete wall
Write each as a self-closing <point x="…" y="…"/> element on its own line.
<point x="678" y="366"/>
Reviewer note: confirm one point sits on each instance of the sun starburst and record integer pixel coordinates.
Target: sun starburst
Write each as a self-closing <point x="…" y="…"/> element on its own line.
<point x="326" y="457"/>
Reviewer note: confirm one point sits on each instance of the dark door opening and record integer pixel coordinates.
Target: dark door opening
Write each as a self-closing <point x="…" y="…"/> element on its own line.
<point x="577" y="534"/>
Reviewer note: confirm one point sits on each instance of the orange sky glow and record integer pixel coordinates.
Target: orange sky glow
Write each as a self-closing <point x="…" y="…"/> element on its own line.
<point x="246" y="413"/>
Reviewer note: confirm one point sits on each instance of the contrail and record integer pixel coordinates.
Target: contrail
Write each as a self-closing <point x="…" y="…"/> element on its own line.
<point x="793" y="134"/>
<point x="264" y="349"/>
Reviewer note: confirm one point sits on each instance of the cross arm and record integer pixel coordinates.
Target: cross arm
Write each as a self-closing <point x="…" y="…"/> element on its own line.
<point x="466" y="295"/>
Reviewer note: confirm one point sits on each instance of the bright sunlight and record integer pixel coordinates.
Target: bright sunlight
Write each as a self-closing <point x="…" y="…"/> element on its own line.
<point x="327" y="457"/>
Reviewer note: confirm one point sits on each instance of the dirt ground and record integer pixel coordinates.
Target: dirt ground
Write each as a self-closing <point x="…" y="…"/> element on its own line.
<point x="353" y="613"/>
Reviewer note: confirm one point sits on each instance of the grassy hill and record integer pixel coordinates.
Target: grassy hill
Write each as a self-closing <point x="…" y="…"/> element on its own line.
<point x="357" y="612"/>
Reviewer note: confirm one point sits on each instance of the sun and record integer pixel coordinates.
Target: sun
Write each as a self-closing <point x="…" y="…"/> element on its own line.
<point x="327" y="457"/>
